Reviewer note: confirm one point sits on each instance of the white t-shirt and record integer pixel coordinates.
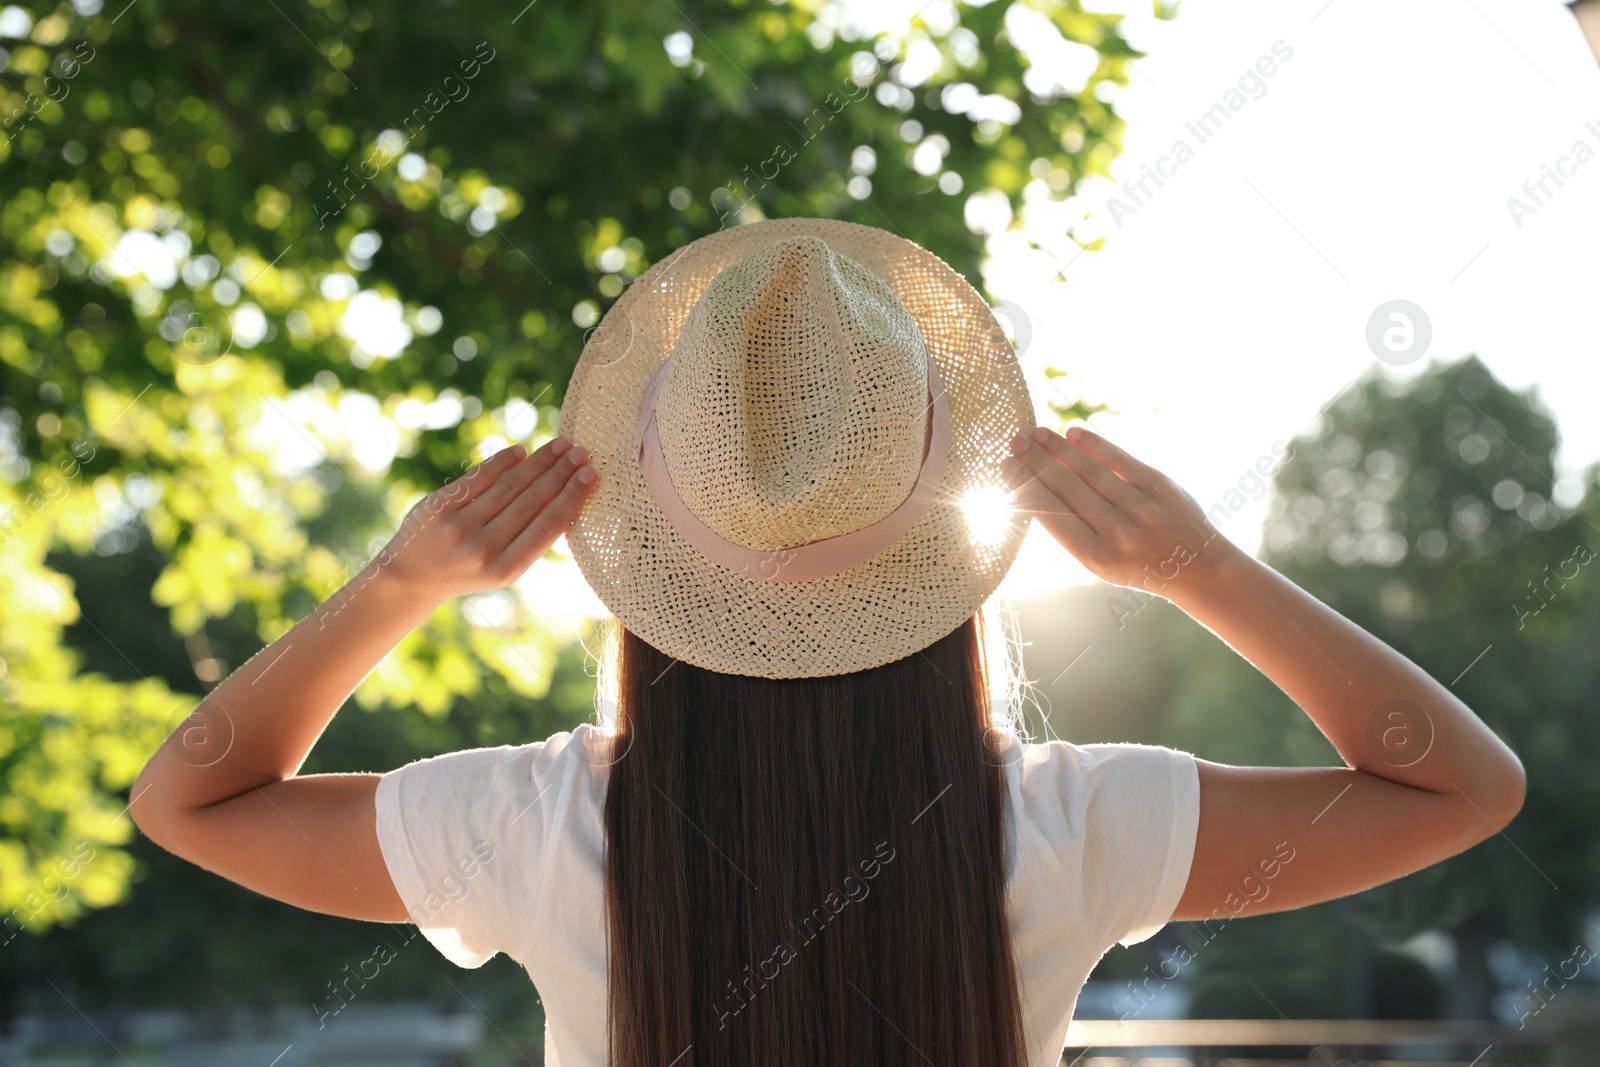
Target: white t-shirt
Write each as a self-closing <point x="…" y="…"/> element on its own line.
<point x="501" y="850"/>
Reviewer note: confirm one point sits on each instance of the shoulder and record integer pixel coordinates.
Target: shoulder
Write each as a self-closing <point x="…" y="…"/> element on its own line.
<point x="503" y="783"/>
<point x="1069" y="788"/>
<point x="1042" y="761"/>
<point x="472" y="837"/>
<point x="536" y="758"/>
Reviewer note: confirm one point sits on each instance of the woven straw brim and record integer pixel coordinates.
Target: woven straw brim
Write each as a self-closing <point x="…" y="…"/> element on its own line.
<point x="884" y="609"/>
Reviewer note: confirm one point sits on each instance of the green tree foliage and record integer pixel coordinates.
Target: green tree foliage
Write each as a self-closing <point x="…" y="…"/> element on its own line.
<point x="270" y="273"/>
<point x="1425" y="513"/>
<point x="1422" y="510"/>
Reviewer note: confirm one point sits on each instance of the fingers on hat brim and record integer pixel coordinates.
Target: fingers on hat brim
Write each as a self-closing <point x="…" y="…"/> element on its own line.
<point x="1124" y="465"/>
<point x="1105" y="482"/>
<point x="526" y="490"/>
<point x="504" y="486"/>
<point x="552" y="520"/>
<point x="1055" y="495"/>
<point x="460" y="492"/>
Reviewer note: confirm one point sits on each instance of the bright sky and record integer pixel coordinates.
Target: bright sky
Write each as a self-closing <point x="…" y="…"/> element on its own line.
<point x="1375" y="163"/>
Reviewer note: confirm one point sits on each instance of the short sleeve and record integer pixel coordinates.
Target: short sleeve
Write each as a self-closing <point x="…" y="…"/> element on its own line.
<point x="462" y="835"/>
<point x="1128" y="815"/>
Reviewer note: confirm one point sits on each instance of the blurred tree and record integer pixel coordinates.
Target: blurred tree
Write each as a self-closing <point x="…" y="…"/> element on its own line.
<point x="1286" y="962"/>
<point x="268" y="275"/>
<point x="184" y="936"/>
<point x="1424" y="511"/>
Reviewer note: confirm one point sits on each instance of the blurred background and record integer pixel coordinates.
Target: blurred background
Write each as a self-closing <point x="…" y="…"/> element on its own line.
<point x="271" y="273"/>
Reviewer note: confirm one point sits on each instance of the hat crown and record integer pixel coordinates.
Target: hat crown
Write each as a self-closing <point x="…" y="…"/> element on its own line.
<point x="795" y="403"/>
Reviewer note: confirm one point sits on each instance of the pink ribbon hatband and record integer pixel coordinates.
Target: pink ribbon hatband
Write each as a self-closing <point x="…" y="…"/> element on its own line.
<point x="815" y="559"/>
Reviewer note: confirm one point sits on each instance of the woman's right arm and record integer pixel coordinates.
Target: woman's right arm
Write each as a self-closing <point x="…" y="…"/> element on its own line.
<point x="1425" y="777"/>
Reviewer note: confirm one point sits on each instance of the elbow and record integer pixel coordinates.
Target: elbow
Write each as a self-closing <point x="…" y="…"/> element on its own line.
<point x="1503" y="793"/>
<point x="143" y="802"/>
<point x="1514" y="792"/>
<point x="139" y="809"/>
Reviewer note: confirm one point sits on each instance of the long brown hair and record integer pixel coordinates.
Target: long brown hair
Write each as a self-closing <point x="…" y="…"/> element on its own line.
<point x="808" y="871"/>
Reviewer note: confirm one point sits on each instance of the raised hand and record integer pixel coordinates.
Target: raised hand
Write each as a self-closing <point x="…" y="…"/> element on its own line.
<point x="483" y="530"/>
<point x="1125" y="521"/>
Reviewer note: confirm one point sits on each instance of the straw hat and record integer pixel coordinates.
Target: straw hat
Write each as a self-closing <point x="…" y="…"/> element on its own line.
<point x="798" y="426"/>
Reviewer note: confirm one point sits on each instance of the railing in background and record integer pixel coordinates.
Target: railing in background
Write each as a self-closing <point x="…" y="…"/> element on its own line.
<point x="1569" y="1028"/>
<point x="1565" y="1033"/>
<point x="379" y="1035"/>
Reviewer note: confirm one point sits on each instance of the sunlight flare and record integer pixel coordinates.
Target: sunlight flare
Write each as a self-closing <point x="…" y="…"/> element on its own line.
<point x="988" y="512"/>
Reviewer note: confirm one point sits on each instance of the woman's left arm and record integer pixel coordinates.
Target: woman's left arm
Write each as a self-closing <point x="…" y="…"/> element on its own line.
<point x="223" y="791"/>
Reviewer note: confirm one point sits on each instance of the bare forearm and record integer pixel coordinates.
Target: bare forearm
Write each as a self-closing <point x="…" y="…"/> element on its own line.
<point x="260" y="723"/>
<point x="1383" y="713"/>
<point x="477" y="533"/>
